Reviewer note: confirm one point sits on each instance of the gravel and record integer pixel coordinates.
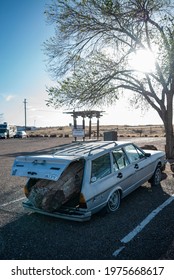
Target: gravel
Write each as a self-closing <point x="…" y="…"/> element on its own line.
<point x="11" y="188"/>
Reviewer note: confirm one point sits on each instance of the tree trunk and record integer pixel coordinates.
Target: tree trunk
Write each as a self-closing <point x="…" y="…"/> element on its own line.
<point x="168" y="124"/>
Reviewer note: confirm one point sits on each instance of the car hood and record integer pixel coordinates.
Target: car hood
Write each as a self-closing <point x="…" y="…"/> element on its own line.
<point x="47" y="167"/>
<point x="154" y="152"/>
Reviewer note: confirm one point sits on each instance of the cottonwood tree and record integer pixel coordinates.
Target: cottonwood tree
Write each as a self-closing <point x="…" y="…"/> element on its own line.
<point x="95" y="46"/>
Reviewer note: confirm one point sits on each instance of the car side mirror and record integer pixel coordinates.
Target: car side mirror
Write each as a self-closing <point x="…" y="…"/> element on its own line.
<point x="147" y="154"/>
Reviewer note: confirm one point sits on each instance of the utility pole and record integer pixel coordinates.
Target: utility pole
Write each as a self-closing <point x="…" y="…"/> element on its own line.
<point x="25" y="112"/>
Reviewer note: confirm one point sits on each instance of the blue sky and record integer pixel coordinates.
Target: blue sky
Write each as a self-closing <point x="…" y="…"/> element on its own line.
<point x="22" y="34"/>
<point x="23" y="74"/>
<point x="23" y="29"/>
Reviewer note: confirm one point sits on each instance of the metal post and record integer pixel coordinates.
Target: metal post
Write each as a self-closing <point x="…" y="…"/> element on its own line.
<point x="25" y="112"/>
<point x="89" y="127"/>
<point x="83" y="125"/>
<point x="75" y="123"/>
<point x="98" y="128"/>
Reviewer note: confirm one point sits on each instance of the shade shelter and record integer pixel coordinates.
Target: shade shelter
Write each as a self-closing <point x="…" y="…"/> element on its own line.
<point x="86" y="114"/>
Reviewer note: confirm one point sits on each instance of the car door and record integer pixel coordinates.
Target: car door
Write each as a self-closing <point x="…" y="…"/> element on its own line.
<point x="124" y="171"/>
<point x="140" y="162"/>
<point x="101" y="180"/>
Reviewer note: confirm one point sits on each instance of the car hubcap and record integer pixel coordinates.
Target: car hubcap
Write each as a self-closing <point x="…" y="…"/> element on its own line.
<point x="114" y="201"/>
<point x="157" y="176"/>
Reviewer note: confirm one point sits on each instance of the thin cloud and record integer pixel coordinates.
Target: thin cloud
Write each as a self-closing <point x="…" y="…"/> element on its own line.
<point x="30" y="108"/>
<point x="9" y="97"/>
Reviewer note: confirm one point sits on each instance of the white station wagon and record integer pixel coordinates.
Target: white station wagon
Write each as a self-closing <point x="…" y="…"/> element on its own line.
<point x="80" y="179"/>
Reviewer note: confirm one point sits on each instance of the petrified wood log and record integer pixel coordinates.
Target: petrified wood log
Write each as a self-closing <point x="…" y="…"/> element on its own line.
<point x="50" y="195"/>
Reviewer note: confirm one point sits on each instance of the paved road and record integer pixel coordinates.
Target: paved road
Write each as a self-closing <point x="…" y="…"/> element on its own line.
<point x="32" y="236"/>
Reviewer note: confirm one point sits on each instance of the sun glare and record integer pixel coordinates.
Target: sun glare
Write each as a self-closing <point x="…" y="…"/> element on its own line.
<point x="143" y="61"/>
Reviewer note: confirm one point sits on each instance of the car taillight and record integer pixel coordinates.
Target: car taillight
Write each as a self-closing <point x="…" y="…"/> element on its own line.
<point x="26" y="191"/>
<point x="82" y="201"/>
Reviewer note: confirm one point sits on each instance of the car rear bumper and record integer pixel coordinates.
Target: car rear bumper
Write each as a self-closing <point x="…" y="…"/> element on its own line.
<point x="67" y="213"/>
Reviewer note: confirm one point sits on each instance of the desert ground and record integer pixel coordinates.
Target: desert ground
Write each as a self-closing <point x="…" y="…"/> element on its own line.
<point x="122" y="131"/>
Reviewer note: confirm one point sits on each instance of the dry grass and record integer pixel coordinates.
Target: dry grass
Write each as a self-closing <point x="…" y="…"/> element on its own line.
<point x="122" y="131"/>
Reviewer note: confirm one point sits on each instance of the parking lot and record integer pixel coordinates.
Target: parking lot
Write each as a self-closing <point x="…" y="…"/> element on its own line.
<point x="141" y="229"/>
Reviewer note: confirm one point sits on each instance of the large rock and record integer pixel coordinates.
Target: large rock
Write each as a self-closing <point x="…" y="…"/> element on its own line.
<point x="149" y="147"/>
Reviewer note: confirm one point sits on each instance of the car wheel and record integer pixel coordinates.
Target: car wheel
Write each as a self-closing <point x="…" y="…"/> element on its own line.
<point x="113" y="202"/>
<point x="156" y="178"/>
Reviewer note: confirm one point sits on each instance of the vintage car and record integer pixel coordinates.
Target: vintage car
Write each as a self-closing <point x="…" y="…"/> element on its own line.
<point x="80" y="179"/>
<point x="20" y="134"/>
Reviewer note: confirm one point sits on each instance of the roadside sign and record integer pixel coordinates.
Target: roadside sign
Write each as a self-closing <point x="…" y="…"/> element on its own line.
<point x="78" y="132"/>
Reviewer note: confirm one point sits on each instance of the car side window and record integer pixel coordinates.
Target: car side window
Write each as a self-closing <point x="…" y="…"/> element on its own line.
<point x="133" y="153"/>
<point x="119" y="159"/>
<point x="101" y="167"/>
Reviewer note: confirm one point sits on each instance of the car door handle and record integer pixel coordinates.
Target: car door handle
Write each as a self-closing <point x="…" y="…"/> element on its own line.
<point x="136" y="166"/>
<point x="120" y="175"/>
<point x="32" y="173"/>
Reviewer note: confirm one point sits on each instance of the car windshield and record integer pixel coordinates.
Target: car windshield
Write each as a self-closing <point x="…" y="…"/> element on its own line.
<point x="134" y="153"/>
<point x="119" y="159"/>
<point x="2" y="130"/>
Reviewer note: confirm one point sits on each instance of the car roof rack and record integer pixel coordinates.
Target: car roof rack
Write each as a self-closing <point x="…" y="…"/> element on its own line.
<point x="75" y="149"/>
<point x="104" y="145"/>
